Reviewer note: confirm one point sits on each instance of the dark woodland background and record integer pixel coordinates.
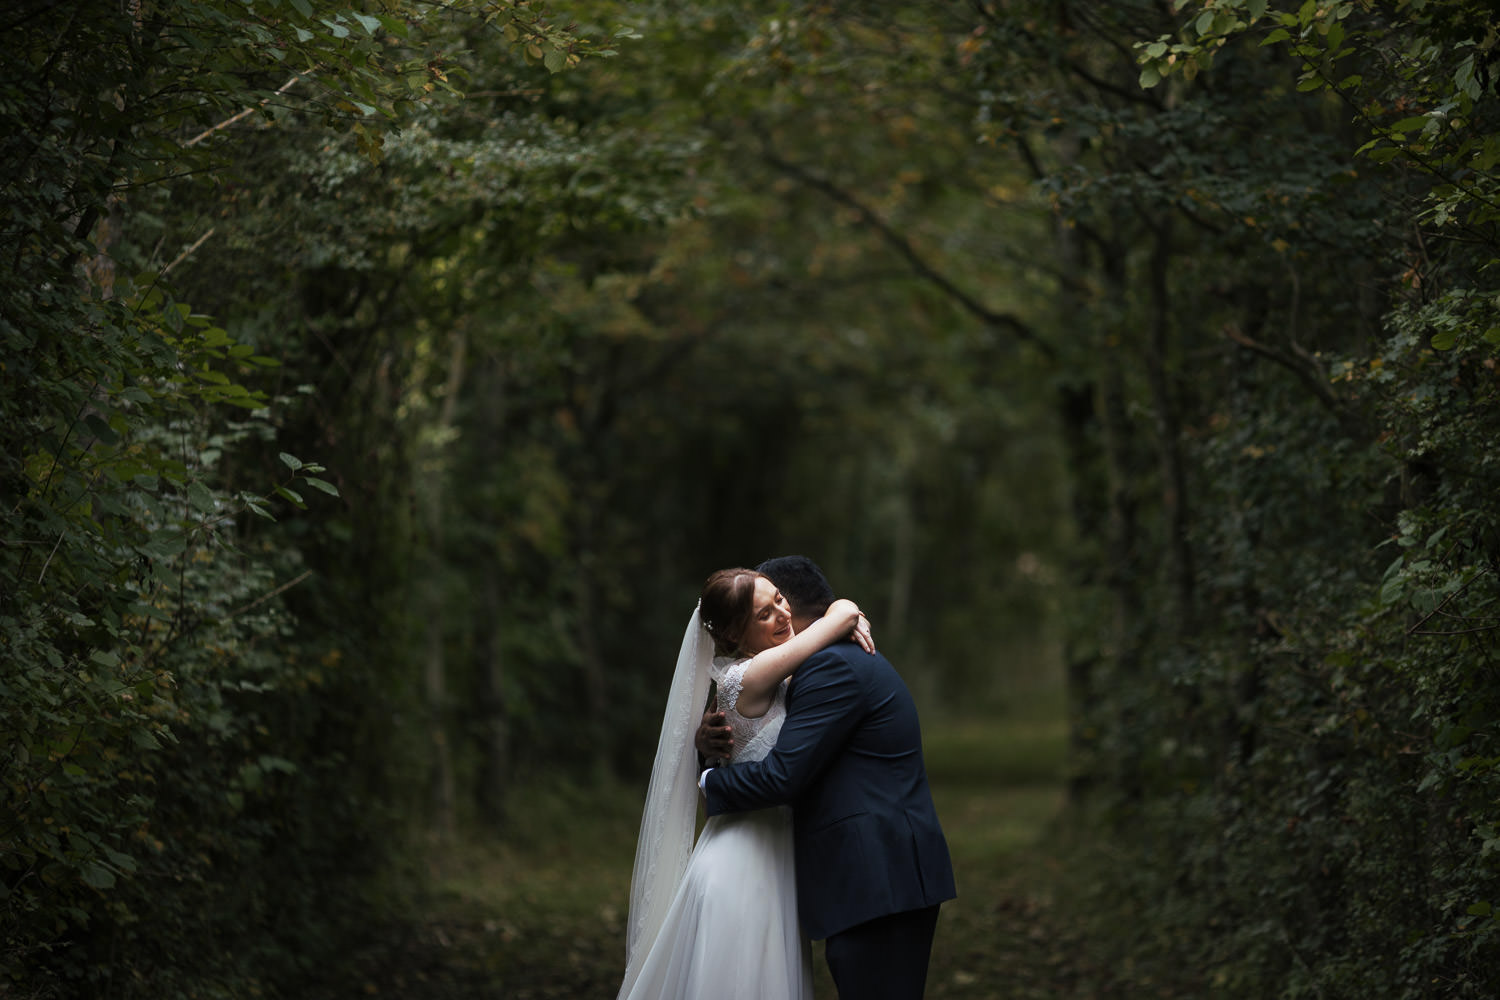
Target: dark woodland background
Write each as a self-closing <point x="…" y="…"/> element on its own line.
<point x="380" y="380"/>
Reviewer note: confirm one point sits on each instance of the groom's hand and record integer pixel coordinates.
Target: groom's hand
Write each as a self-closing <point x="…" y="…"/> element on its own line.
<point x="713" y="738"/>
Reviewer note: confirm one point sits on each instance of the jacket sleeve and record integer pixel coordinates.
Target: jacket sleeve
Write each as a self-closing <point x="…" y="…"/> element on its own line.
<point x="823" y="711"/>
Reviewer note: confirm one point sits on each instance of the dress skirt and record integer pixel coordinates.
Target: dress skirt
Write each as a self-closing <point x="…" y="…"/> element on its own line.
<point x="731" y="932"/>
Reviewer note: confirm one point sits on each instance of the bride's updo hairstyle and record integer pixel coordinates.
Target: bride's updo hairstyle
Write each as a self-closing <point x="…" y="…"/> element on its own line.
<point x="726" y="605"/>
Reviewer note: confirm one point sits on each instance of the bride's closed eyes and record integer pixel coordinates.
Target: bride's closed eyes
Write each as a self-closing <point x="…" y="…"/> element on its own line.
<point x="771" y="625"/>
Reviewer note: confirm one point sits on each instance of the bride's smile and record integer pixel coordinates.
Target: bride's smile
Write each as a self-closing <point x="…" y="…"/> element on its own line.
<point x="770" y="622"/>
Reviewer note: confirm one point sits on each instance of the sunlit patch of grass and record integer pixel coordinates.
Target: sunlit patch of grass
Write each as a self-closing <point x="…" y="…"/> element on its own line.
<point x="995" y="751"/>
<point x="986" y="830"/>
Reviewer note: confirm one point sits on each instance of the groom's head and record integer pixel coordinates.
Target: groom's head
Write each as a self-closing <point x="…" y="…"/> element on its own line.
<point x="803" y="585"/>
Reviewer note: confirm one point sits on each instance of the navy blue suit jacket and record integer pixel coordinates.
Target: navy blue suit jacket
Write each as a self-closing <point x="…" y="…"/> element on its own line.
<point x="849" y="763"/>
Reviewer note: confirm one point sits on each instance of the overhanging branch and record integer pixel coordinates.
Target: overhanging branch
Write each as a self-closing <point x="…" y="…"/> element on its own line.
<point x="903" y="246"/>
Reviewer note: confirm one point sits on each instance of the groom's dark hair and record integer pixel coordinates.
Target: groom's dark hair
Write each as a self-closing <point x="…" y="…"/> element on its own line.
<point x="801" y="582"/>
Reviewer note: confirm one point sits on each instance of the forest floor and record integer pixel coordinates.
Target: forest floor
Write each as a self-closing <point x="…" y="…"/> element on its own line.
<point x="541" y="916"/>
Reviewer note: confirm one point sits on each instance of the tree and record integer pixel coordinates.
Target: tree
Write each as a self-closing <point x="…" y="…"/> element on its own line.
<point x="160" y="734"/>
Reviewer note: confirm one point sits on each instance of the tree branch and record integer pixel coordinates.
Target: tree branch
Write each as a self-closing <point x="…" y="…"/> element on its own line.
<point x="186" y="253"/>
<point x="248" y="111"/>
<point x="267" y="596"/>
<point x="1310" y="376"/>
<point x="909" y="253"/>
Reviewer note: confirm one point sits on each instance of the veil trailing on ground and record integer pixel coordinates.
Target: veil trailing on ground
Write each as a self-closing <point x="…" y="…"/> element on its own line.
<point x="666" y="839"/>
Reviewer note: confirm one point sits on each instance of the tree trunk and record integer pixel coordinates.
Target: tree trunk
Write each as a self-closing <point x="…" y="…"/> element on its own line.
<point x="435" y="674"/>
<point x="1120" y="523"/>
<point x="1127" y="619"/>
<point x="1080" y="655"/>
<point x="1180" y="571"/>
<point x="493" y="726"/>
<point x="903" y="559"/>
<point x="590" y="649"/>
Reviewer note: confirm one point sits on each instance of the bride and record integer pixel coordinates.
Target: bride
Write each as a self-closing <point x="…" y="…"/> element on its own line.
<point x="719" y="919"/>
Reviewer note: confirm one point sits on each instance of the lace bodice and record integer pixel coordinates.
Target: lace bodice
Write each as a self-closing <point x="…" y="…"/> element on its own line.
<point x="753" y="738"/>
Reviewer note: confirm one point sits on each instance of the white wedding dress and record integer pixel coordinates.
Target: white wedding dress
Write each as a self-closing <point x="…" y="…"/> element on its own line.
<point x="731" y="930"/>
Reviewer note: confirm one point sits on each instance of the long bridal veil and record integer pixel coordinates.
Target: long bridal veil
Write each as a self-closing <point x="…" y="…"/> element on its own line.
<point x="666" y="838"/>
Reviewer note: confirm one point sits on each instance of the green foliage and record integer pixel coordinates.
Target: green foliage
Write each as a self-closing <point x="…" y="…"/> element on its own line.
<point x="1308" y="759"/>
<point x="171" y="779"/>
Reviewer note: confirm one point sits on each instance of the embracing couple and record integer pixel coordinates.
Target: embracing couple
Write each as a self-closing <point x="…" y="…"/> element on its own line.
<point x="820" y="827"/>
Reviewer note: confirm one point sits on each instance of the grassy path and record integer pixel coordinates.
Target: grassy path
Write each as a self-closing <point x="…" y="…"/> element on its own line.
<point x="542" y="916"/>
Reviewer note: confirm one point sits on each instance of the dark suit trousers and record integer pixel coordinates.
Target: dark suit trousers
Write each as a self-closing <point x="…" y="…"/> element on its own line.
<point x="885" y="958"/>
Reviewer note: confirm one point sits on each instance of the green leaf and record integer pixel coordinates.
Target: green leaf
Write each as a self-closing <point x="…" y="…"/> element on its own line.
<point x="303" y="7"/>
<point x="271" y="763"/>
<point x="100" y="429"/>
<point x="164" y="545"/>
<point x="1279" y="35"/>
<point x="370" y="24"/>
<point x="245" y="402"/>
<point x="1443" y="340"/>
<point x="200" y="497"/>
<point x="1464" y="80"/>
<point x="321" y="484"/>
<point x="96" y="875"/>
<point x="1150" y="77"/>
<point x="291" y="495"/>
<point x="291" y="461"/>
<point x="1481" y="909"/>
<point x="555" y="61"/>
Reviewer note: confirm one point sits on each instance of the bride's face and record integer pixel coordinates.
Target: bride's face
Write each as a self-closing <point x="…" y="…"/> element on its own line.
<point x="770" y="621"/>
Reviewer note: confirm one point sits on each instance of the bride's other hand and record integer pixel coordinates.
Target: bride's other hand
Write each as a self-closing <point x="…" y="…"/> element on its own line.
<point x="844" y="610"/>
<point x="863" y="635"/>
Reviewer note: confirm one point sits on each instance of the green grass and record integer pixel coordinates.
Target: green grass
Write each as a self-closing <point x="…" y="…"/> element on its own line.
<point x="541" y="914"/>
<point x="994" y="751"/>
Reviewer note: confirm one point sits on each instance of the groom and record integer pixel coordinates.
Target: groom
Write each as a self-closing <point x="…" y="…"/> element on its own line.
<point x="872" y="864"/>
